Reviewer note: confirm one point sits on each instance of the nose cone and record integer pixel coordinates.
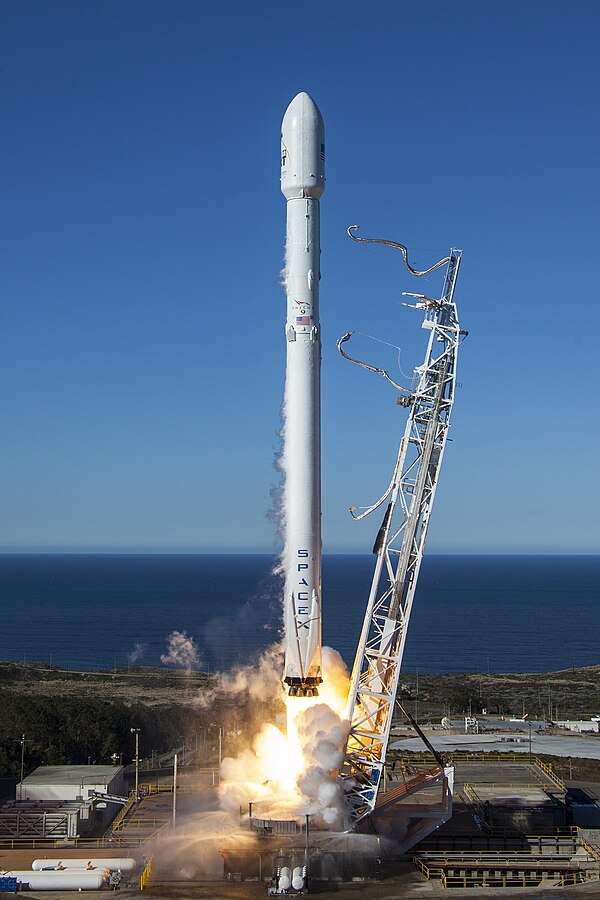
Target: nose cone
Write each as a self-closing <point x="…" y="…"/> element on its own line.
<point x="302" y="149"/>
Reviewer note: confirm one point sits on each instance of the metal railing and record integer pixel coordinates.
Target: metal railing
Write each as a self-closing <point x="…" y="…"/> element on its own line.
<point x="146" y="874"/>
<point x="549" y="773"/>
<point x="520" y="876"/>
<point x="490" y="858"/>
<point x="523" y="868"/>
<point x="457" y="756"/>
<point x="119" y="818"/>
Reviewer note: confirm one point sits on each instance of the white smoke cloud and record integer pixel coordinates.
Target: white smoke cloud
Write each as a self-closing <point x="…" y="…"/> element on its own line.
<point x="136" y="654"/>
<point x="258" y="681"/>
<point x="290" y="775"/>
<point x="322" y="734"/>
<point x="182" y="651"/>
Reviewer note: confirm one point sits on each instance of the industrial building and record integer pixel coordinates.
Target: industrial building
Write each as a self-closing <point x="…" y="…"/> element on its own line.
<point x="64" y="803"/>
<point x="72" y="782"/>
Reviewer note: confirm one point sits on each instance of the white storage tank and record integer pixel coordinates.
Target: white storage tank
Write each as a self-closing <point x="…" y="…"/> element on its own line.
<point x="113" y="864"/>
<point x="76" y="880"/>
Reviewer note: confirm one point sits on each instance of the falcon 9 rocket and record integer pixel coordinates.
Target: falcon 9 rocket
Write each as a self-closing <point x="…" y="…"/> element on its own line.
<point x="302" y="184"/>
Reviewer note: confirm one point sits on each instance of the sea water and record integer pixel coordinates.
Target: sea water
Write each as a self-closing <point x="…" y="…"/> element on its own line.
<point x="471" y="613"/>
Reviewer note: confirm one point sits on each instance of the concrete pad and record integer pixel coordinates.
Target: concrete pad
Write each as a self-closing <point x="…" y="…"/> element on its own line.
<point x="577" y="745"/>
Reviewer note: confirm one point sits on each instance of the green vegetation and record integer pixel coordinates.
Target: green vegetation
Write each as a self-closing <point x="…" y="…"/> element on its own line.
<point x="79" y="717"/>
<point x="76" y="718"/>
<point x="63" y="730"/>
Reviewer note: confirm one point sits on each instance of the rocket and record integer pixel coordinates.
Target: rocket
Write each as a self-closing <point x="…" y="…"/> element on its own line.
<point x="302" y="184"/>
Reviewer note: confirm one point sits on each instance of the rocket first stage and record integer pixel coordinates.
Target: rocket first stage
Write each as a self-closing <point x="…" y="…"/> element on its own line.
<point x="302" y="184"/>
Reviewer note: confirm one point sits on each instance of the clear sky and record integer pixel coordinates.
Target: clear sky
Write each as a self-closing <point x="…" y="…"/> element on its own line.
<point x="142" y="352"/>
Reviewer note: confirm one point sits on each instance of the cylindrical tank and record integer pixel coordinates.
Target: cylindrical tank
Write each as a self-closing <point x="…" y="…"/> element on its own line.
<point x="123" y="864"/>
<point x="77" y="880"/>
<point x="298" y="878"/>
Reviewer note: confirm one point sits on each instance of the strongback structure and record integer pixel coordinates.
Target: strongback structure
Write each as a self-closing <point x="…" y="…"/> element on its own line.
<point x="399" y="550"/>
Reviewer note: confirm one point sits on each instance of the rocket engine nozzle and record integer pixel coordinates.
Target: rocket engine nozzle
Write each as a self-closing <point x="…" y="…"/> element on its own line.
<point x="306" y="688"/>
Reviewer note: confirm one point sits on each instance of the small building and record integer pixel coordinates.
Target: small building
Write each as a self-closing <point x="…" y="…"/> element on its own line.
<point x="64" y="802"/>
<point x="72" y="782"/>
<point x="580" y="726"/>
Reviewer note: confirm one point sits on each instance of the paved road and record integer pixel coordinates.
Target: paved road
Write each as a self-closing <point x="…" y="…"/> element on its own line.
<point x="579" y="746"/>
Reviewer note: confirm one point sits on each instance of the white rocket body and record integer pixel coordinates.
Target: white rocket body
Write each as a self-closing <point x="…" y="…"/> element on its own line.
<point x="302" y="184"/>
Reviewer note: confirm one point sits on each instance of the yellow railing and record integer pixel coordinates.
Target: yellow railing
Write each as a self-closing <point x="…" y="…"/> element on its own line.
<point x="549" y="773"/>
<point x="146" y="874"/>
<point x="511" y="881"/>
<point x="487" y="878"/>
<point x="452" y="758"/>
<point x="591" y="851"/>
<point x="118" y="820"/>
<point x="144" y="823"/>
<point x="187" y="787"/>
<point x="158" y="787"/>
<point x="67" y="843"/>
<point x="455" y="756"/>
<point x="490" y="858"/>
<point x="428" y="871"/>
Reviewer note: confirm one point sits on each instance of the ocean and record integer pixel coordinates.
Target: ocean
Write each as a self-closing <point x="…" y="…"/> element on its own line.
<point x="471" y="613"/>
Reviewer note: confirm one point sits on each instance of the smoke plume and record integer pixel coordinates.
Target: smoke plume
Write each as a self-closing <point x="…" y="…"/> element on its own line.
<point x="285" y="775"/>
<point x="135" y="655"/>
<point x="182" y="651"/>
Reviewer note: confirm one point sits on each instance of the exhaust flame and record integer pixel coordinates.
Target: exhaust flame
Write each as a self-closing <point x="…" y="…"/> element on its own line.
<point x="285" y="775"/>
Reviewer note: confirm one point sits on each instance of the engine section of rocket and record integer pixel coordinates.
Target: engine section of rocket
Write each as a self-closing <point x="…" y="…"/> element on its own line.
<point x="302" y="184"/>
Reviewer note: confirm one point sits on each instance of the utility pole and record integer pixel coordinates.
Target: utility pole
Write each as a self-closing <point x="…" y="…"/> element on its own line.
<point x="136" y="731"/>
<point x="220" y="750"/>
<point x="417" y="700"/>
<point x="22" y="766"/>
<point x="306" y="849"/>
<point x="175" y="761"/>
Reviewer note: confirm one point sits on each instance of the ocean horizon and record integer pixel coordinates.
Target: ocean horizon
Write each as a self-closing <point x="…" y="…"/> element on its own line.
<point x="472" y="612"/>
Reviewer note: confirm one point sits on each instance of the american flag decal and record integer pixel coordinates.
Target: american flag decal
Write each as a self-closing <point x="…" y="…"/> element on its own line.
<point x="302" y="320"/>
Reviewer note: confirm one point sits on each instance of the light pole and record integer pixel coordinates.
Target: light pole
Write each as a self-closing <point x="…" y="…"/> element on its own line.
<point x="529" y="723"/>
<point x="306" y="849"/>
<point x="136" y="731"/>
<point x="22" y="766"/>
<point x="175" y="762"/>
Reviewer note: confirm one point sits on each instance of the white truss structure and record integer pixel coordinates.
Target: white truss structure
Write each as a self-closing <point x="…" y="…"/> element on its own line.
<point x="399" y="549"/>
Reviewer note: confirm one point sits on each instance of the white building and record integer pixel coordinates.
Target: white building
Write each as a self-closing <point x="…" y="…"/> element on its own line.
<point x="72" y="782"/>
<point x="580" y="726"/>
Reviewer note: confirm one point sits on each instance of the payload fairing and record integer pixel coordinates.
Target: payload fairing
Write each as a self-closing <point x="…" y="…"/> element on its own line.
<point x="302" y="184"/>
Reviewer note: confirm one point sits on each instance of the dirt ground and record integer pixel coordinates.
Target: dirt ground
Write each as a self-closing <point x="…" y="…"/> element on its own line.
<point x="151" y="687"/>
<point x="570" y="693"/>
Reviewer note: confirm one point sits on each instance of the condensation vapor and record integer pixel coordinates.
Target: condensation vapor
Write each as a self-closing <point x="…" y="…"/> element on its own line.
<point x="193" y="850"/>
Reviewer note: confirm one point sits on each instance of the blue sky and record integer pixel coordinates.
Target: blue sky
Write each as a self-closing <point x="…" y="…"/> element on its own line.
<point x="142" y="353"/>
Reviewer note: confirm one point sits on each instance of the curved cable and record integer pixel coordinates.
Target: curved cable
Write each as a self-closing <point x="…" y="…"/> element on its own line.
<point x="387" y="344"/>
<point x="369" y="509"/>
<point x="346" y="337"/>
<point x="396" y="246"/>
